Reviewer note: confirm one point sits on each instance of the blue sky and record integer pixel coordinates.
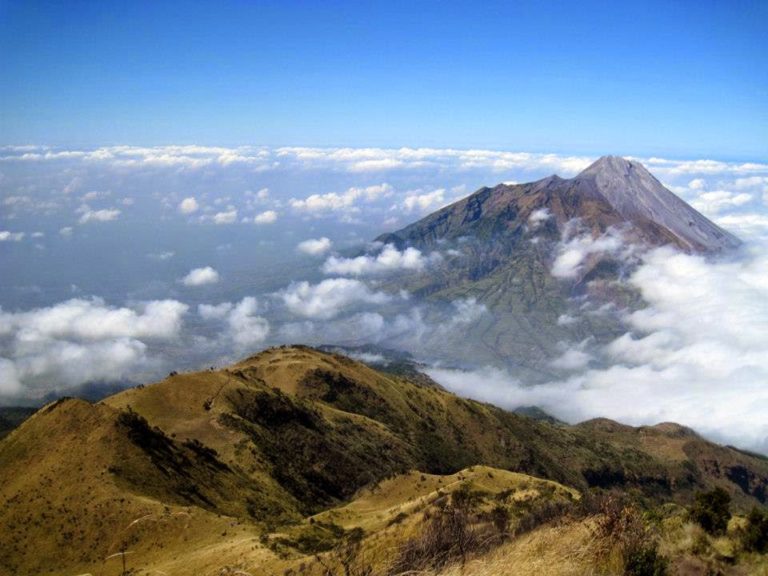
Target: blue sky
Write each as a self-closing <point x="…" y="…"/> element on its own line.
<point x="684" y="79"/>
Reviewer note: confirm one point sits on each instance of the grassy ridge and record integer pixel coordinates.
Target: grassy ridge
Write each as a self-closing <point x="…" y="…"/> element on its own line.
<point x="227" y="467"/>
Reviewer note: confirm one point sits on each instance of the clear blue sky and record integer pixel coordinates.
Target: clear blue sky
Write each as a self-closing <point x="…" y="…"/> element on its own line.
<point x="674" y="78"/>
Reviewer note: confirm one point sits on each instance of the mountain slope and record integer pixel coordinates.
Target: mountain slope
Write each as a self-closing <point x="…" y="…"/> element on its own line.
<point x="210" y="461"/>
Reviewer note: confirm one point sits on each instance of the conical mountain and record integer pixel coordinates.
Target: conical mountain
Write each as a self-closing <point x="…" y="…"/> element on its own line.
<point x="531" y="253"/>
<point x="612" y="191"/>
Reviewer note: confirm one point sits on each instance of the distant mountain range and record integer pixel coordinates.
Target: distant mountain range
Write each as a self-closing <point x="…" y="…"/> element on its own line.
<point x="531" y="252"/>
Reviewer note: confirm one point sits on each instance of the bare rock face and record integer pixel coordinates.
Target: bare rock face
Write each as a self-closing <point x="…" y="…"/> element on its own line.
<point x="641" y="199"/>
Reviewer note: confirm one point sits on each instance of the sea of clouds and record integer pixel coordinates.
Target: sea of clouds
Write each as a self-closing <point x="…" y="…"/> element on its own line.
<point x="122" y="263"/>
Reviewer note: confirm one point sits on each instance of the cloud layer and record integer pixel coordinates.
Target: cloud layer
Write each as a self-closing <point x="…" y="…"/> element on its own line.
<point x="696" y="351"/>
<point x="697" y="354"/>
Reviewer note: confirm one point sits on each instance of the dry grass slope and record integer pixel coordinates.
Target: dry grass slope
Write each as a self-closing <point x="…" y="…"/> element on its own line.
<point x="294" y="452"/>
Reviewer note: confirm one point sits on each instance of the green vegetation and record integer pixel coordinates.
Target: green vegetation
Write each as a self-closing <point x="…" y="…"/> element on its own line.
<point x="755" y="538"/>
<point x="711" y="510"/>
<point x="627" y="536"/>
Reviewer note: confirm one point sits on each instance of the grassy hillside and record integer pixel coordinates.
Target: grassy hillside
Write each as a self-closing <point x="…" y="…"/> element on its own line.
<point x="295" y="452"/>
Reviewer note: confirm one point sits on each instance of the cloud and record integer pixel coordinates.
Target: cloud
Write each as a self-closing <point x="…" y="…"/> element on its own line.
<point x="711" y="203"/>
<point x="267" y="217"/>
<point x="328" y="298"/>
<point x="214" y="311"/>
<point x="707" y="167"/>
<point x="399" y="330"/>
<point x="571" y="254"/>
<point x="354" y="160"/>
<point x="315" y="247"/>
<point x="467" y="311"/>
<point x="572" y="359"/>
<point x="389" y="260"/>
<point x="746" y="226"/>
<point x="161" y="256"/>
<point x="426" y="202"/>
<point x="94" y="195"/>
<point x="73" y="185"/>
<point x="10" y="384"/>
<point x="378" y="159"/>
<point x="566" y="320"/>
<point x="7" y="236"/>
<point x="538" y="216"/>
<point x="189" y="205"/>
<point x="66" y="231"/>
<point x="245" y="328"/>
<point x="94" y="320"/>
<point x="79" y="341"/>
<point x="89" y="215"/>
<point x="227" y="217"/>
<point x="201" y="277"/>
<point x="157" y="157"/>
<point x="320" y="203"/>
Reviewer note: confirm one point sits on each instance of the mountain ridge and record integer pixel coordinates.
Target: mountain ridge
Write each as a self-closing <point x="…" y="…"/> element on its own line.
<point x="292" y="432"/>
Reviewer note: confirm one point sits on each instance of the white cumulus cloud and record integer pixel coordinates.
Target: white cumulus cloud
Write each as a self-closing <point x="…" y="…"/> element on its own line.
<point x="315" y="246"/>
<point x="332" y="201"/>
<point x="711" y="203"/>
<point x="189" y="205"/>
<point x="424" y="202"/>
<point x="573" y="253"/>
<point x="329" y="298"/>
<point x="104" y="215"/>
<point x="390" y="259"/>
<point x="80" y="341"/>
<point x="228" y="216"/>
<point x="538" y="216"/>
<point x="244" y="326"/>
<point x="7" y="236"/>
<point x="266" y="217"/>
<point x="201" y="277"/>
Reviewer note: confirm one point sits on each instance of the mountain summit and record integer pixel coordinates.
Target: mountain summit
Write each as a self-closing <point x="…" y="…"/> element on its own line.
<point x="639" y="197"/>
<point x="611" y="192"/>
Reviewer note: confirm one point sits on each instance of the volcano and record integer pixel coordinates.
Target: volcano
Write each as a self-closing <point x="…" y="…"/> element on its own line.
<point x="538" y="254"/>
